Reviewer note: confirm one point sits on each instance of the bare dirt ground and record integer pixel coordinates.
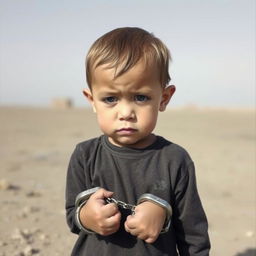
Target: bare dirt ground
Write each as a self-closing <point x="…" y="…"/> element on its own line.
<point x="36" y="145"/>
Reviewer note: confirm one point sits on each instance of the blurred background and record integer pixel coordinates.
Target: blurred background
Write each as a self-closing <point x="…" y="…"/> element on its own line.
<point x="43" y="114"/>
<point x="43" y="45"/>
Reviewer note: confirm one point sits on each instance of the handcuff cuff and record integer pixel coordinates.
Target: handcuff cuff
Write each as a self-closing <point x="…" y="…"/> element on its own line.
<point x="84" y="196"/>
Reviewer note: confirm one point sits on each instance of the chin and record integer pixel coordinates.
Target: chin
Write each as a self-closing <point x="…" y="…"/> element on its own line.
<point x="125" y="142"/>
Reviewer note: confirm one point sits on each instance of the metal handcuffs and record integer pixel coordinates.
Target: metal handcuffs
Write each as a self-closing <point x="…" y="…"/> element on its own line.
<point x="84" y="196"/>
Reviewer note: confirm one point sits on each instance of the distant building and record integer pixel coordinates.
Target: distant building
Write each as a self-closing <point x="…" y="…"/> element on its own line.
<point x="62" y="103"/>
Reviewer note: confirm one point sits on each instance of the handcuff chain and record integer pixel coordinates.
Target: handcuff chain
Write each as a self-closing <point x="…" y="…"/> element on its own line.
<point x="121" y="204"/>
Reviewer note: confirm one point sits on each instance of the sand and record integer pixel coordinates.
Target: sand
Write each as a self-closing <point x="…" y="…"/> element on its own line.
<point x="36" y="145"/>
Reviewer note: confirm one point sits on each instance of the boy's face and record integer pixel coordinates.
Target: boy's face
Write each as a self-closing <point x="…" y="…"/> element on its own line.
<point x="127" y="106"/>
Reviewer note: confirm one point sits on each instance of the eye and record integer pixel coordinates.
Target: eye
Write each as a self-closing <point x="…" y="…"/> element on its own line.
<point x="110" y="99"/>
<point x="141" y="98"/>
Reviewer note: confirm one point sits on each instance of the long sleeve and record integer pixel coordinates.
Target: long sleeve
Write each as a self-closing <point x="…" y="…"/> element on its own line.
<point x="189" y="219"/>
<point x="74" y="185"/>
<point x="164" y="169"/>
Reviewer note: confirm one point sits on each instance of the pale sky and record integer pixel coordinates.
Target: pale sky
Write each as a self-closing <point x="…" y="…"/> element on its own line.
<point x="43" y="44"/>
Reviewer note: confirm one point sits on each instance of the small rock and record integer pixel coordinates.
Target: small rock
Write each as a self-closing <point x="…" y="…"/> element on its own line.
<point x="27" y="210"/>
<point x="4" y="184"/>
<point x="26" y="233"/>
<point x="45" y="239"/>
<point x="29" y="251"/>
<point x="3" y="243"/>
<point x="24" y="236"/>
<point x="22" y="215"/>
<point x="17" y="235"/>
<point x="33" y="194"/>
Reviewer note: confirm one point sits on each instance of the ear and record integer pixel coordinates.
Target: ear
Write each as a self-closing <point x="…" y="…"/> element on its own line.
<point x="88" y="94"/>
<point x="166" y="97"/>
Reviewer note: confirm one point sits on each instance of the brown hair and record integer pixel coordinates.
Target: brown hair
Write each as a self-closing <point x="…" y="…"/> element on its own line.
<point x="122" y="48"/>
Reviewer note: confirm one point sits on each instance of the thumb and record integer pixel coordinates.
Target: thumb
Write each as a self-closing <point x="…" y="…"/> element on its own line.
<point x="102" y="193"/>
<point x="129" y="221"/>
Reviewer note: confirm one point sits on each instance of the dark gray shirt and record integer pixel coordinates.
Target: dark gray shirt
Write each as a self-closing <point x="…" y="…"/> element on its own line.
<point x="163" y="169"/>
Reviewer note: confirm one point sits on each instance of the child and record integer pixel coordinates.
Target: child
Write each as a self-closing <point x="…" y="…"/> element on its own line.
<point x="108" y="176"/>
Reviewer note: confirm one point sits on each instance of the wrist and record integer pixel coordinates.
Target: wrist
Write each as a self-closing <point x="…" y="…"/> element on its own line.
<point x="162" y="203"/>
<point x="80" y="202"/>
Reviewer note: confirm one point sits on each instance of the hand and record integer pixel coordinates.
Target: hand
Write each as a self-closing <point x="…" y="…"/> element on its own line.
<point x="98" y="216"/>
<point x="147" y="222"/>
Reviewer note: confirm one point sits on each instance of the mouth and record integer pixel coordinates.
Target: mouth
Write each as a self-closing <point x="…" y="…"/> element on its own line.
<point x="126" y="131"/>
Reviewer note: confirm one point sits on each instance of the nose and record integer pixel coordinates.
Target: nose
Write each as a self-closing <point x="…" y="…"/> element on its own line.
<point x="126" y="112"/>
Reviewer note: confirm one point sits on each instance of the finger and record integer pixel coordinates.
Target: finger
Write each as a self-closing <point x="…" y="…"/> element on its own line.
<point x="102" y="194"/>
<point x="131" y="229"/>
<point x="111" y="224"/>
<point x="126" y="227"/>
<point x="134" y="232"/>
<point x="131" y="222"/>
<point x="114" y="220"/>
<point x="149" y="240"/>
<point x="143" y="237"/>
<point x="109" y="210"/>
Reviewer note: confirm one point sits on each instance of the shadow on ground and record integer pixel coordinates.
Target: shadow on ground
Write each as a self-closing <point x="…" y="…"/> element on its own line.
<point x="248" y="252"/>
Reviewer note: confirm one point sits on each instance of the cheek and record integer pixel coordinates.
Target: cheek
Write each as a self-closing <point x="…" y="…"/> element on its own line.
<point x="104" y="120"/>
<point x="101" y="120"/>
<point x="149" y="118"/>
